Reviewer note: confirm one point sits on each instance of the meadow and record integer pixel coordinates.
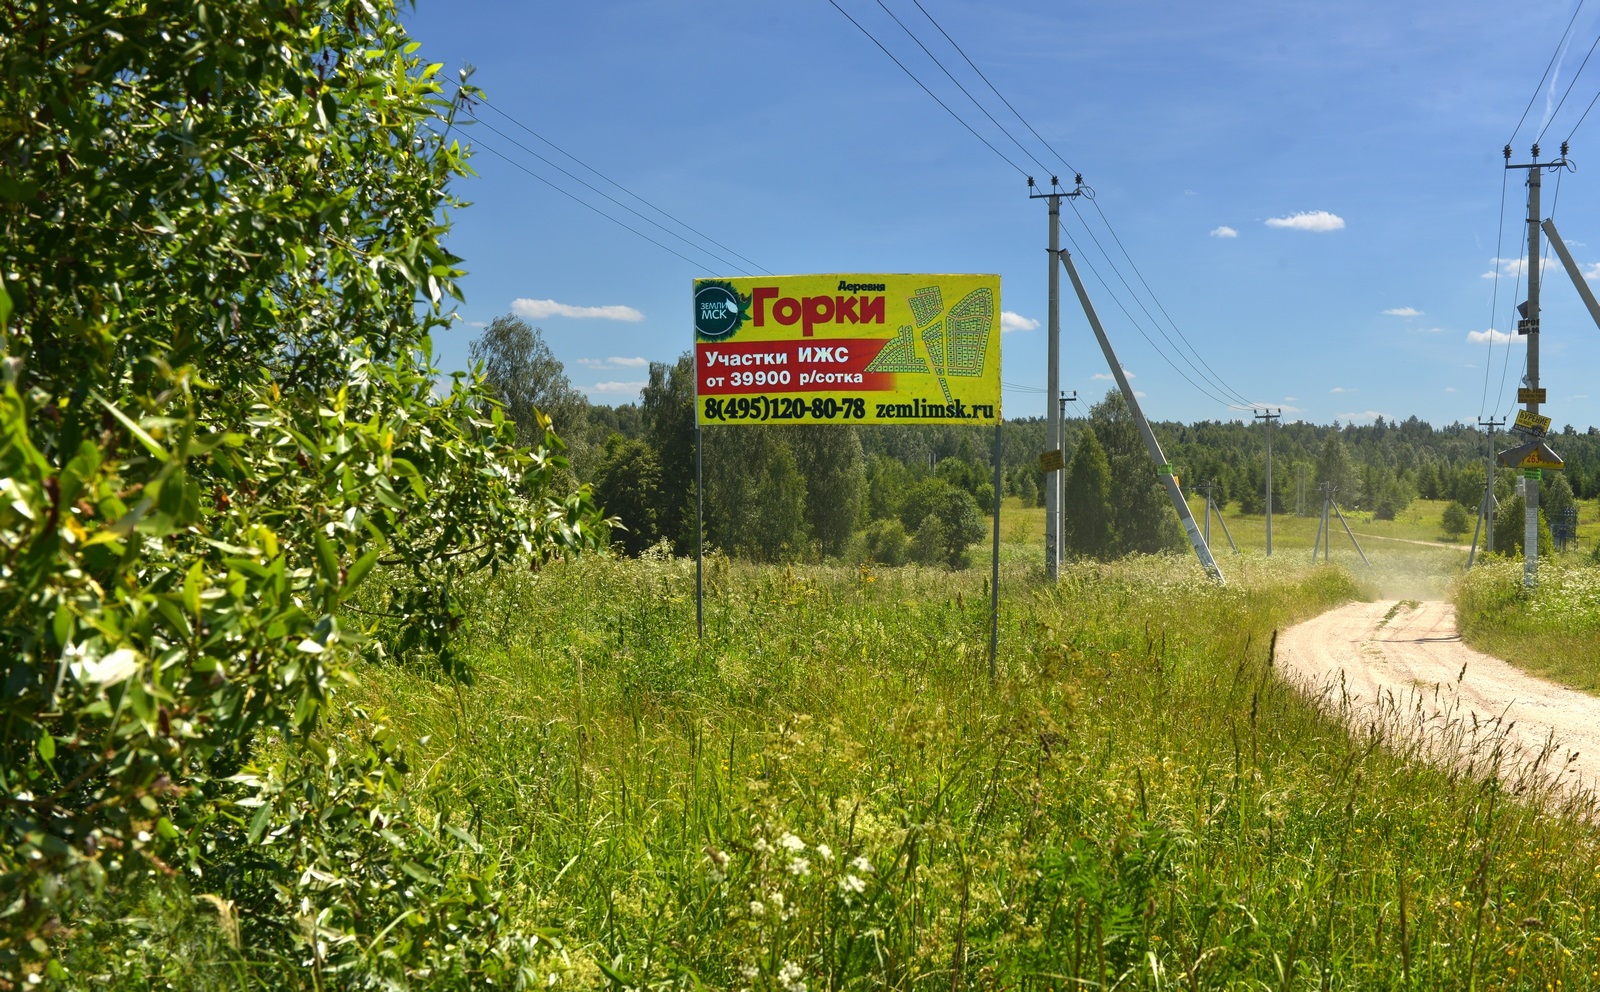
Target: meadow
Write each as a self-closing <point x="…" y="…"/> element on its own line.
<point x="829" y="792"/>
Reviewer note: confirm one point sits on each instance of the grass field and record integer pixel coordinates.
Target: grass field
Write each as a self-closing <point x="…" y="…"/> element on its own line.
<point x="830" y="793"/>
<point x="1552" y="631"/>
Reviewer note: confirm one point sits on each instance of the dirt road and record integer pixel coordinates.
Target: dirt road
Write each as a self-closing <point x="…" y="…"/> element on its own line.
<point x="1402" y="665"/>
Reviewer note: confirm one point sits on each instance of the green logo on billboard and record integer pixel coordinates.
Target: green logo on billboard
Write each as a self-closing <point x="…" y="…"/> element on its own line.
<point x="719" y="310"/>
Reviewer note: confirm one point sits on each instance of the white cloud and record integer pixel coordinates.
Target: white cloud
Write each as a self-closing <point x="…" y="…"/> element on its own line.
<point x="1449" y="389"/>
<point x="1224" y="231"/>
<point x="1513" y="268"/>
<point x="614" y="387"/>
<point x="1108" y="376"/>
<point x="614" y="363"/>
<point x="1190" y="192"/>
<point x="1592" y="272"/>
<point x="1311" y="220"/>
<point x="539" y="309"/>
<point x="1291" y="399"/>
<point x="1365" y="415"/>
<point x="1498" y="337"/>
<point x="1010" y="321"/>
<point x="1404" y="312"/>
<point x="1340" y="389"/>
<point x="1138" y="394"/>
<point x="1432" y="330"/>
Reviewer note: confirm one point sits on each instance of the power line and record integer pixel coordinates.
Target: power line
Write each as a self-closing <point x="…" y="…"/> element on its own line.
<point x="914" y="79"/>
<point x="1494" y="298"/>
<point x="963" y="89"/>
<point x="992" y="88"/>
<point x="1214" y="377"/>
<point x="1136" y="326"/>
<point x="608" y="196"/>
<point x="1140" y="304"/>
<point x="1563" y="101"/>
<point x="686" y="226"/>
<point x="579" y="200"/>
<point x="1581" y="118"/>
<point x="1560" y="46"/>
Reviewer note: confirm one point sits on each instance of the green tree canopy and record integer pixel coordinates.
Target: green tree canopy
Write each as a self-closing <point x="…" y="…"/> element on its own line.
<point x="1088" y="516"/>
<point x="526" y="376"/>
<point x="221" y="252"/>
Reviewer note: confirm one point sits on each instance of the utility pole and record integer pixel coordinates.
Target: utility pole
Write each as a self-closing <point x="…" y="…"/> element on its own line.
<point x="1269" y="417"/>
<point x="1486" y="511"/>
<point x="1529" y="326"/>
<point x="1053" y="411"/>
<point x="1300" y="492"/>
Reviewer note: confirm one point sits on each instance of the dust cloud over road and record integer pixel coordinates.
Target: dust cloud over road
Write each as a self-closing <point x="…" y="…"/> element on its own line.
<point x="1401" y="665"/>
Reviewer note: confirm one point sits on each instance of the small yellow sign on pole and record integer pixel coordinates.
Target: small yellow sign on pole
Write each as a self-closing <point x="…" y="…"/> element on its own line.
<point x="1526" y="395"/>
<point x="1533" y="423"/>
<point x="1051" y="461"/>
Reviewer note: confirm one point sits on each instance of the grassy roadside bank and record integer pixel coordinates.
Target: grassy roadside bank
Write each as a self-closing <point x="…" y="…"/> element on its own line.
<point x="1552" y="631"/>
<point x="831" y="794"/>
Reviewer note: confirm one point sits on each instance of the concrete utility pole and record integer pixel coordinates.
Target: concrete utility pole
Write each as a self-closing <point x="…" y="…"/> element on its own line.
<point x="1202" y="548"/>
<point x="1269" y="417"/>
<point x="1053" y="411"/>
<point x="1529" y="326"/>
<point x="1486" y="511"/>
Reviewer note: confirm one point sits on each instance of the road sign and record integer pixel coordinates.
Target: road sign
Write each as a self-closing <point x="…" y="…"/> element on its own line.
<point x="1534" y="454"/>
<point x="1532" y="423"/>
<point x="1050" y="461"/>
<point x="1526" y="395"/>
<point x="1543" y="459"/>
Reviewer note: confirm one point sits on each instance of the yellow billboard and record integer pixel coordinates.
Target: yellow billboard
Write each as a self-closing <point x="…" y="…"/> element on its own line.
<point x="847" y="349"/>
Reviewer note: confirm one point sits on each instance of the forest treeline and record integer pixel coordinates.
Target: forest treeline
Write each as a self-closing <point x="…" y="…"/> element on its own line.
<point x="922" y="493"/>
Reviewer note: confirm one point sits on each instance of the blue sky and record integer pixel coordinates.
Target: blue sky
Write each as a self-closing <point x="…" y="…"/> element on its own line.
<point x="1312" y="191"/>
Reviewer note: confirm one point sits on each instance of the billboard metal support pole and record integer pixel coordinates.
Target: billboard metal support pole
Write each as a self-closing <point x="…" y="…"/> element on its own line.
<point x="699" y="540"/>
<point x="994" y="564"/>
<point x="1201" y="549"/>
<point x="1352" y="534"/>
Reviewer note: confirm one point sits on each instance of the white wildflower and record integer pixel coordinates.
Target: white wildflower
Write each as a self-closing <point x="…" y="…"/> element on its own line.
<point x="824" y="852"/>
<point x="761" y="846"/>
<point x="756" y="908"/>
<point x="749" y="972"/>
<point x="862" y="865"/>
<point x="792" y="843"/>
<point x="776" y="899"/>
<point x="800" y="867"/>
<point x="852" y="885"/>
<point x="789" y="978"/>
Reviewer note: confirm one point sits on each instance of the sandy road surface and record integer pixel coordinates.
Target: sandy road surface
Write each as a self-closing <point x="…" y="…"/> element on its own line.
<point x="1404" y="666"/>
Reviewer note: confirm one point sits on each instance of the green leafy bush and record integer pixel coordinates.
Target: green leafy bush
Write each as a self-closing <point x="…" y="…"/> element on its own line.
<point x="218" y="416"/>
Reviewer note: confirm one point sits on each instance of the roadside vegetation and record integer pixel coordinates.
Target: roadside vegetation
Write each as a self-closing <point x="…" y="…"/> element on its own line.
<point x="829" y="792"/>
<point x="1552" y="631"/>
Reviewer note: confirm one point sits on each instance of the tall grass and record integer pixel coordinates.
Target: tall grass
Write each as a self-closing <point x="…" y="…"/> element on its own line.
<point x="828" y="792"/>
<point x="1552" y="630"/>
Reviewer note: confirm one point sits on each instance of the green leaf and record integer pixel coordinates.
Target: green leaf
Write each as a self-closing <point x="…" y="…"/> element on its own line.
<point x="359" y="570"/>
<point x="47" y="747"/>
<point x="258" y="823"/>
<point x="150" y="443"/>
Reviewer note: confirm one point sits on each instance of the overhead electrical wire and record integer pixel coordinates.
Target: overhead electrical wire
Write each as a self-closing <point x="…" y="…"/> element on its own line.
<point x="472" y="109"/>
<point x="580" y="200"/>
<point x="1136" y="325"/>
<point x="1494" y="297"/>
<point x="1582" y="117"/>
<point x="1111" y="262"/>
<point x="1563" y="101"/>
<point x="602" y="193"/>
<point x="1213" y="377"/>
<point x="959" y="119"/>
<point x="1209" y="375"/>
<point x="991" y="86"/>
<point x="951" y="76"/>
<point x="1560" y="47"/>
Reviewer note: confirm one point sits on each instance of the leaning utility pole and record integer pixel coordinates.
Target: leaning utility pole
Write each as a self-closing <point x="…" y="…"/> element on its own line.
<point x="1269" y="417"/>
<point x="1202" y="549"/>
<point x="1053" y="489"/>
